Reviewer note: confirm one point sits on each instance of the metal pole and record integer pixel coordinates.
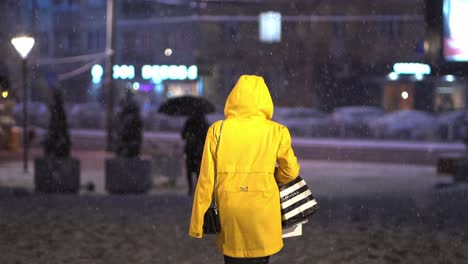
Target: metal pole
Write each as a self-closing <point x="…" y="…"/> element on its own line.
<point x="24" y="65"/>
<point x="109" y="84"/>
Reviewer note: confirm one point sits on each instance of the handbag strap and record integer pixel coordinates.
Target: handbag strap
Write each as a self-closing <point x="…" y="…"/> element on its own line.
<point x="215" y="205"/>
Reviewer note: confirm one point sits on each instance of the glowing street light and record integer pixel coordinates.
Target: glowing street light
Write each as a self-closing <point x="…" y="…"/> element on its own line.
<point x="270" y="27"/>
<point x="24" y="45"/>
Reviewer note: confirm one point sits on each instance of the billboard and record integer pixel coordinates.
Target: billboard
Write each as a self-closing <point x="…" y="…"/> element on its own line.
<point x="455" y="33"/>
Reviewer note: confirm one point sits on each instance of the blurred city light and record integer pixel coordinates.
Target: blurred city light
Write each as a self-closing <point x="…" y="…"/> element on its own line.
<point x="136" y="86"/>
<point x="404" y="95"/>
<point x="419" y="77"/>
<point x="192" y="72"/>
<point x="393" y="76"/>
<point x="449" y="78"/>
<point x="5" y="94"/>
<point x="123" y="72"/>
<point x="159" y="88"/>
<point x="159" y="73"/>
<point x="411" y="68"/>
<point x="164" y="72"/>
<point x="23" y="45"/>
<point x="147" y="72"/>
<point x="168" y="52"/>
<point x="96" y="72"/>
<point x="270" y="27"/>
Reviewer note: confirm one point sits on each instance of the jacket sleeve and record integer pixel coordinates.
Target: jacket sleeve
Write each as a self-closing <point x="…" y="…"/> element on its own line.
<point x="288" y="167"/>
<point x="205" y="185"/>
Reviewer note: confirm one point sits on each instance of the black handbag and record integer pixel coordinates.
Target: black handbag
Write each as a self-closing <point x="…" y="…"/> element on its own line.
<point x="211" y="222"/>
<point x="297" y="202"/>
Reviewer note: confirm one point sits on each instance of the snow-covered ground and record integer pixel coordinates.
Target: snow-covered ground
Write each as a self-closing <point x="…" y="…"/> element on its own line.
<point x="370" y="213"/>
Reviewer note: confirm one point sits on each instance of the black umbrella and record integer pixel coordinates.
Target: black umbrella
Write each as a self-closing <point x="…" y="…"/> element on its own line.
<point x="186" y="106"/>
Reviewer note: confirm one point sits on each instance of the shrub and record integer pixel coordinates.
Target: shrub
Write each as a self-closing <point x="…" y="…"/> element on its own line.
<point x="57" y="140"/>
<point x="129" y="129"/>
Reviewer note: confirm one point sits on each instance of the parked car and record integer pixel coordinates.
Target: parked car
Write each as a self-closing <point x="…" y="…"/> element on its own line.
<point x="405" y="124"/>
<point x="87" y="116"/>
<point x="154" y="121"/>
<point x="297" y="112"/>
<point x="310" y="126"/>
<point x="303" y="121"/>
<point x="451" y="125"/>
<point x="38" y="114"/>
<point x="353" y="121"/>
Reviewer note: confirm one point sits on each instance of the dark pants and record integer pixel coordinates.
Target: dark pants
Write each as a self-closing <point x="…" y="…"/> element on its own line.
<point x="262" y="260"/>
<point x="192" y="164"/>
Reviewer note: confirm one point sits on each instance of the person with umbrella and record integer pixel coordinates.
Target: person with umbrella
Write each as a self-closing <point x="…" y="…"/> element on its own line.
<point x="194" y="130"/>
<point x="194" y="133"/>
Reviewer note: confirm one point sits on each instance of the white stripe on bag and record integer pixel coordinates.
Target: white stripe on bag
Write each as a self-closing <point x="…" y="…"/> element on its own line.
<point x="299" y="209"/>
<point x="292" y="188"/>
<point x="295" y="199"/>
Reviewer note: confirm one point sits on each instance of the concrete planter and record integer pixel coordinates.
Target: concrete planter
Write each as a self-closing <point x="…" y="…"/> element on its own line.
<point x="447" y="163"/>
<point x="57" y="175"/>
<point x="128" y="175"/>
<point x="455" y="165"/>
<point x="461" y="170"/>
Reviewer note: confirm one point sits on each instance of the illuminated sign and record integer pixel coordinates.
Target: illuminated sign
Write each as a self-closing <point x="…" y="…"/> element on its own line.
<point x="455" y="39"/>
<point x="393" y="76"/>
<point x="156" y="73"/>
<point x="411" y="68"/>
<point x="159" y="73"/>
<point x="123" y="72"/>
<point x="97" y="72"/>
<point x="270" y="27"/>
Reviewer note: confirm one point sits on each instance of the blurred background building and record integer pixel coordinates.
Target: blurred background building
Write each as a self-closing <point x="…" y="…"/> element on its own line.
<point x="328" y="55"/>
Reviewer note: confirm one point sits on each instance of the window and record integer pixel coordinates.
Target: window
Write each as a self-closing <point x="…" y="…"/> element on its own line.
<point x="144" y="40"/>
<point x="43" y="4"/>
<point x="338" y="29"/>
<point x="96" y="39"/>
<point x="128" y="43"/>
<point x="91" y="40"/>
<point x="231" y="31"/>
<point x="391" y="29"/>
<point x="96" y="3"/>
<point x="44" y="43"/>
<point x="74" y="42"/>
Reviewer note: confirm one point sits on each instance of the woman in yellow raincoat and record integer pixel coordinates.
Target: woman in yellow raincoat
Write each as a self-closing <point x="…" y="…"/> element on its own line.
<point x="250" y="147"/>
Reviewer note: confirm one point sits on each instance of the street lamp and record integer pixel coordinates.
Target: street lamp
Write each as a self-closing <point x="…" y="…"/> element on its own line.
<point x="23" y="45"/>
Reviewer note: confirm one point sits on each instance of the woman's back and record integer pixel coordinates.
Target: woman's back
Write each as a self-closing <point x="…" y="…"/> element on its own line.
<point x="248" y="153"/>
<point x="250" y="145"/>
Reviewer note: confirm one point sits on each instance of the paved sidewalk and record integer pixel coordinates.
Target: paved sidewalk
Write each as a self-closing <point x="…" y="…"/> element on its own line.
<point x="369" y="213"/>
<point x="91" y="171"/>
<point x="330" y="177"/>
<point x="362" y="150"/>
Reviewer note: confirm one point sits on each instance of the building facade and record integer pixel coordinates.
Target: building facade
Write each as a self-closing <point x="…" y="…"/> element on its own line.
<point x="329" y="55"/>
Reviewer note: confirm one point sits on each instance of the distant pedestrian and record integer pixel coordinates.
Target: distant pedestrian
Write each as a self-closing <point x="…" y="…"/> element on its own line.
<point x="194" y="133"/>
<point x="250" y="146"/>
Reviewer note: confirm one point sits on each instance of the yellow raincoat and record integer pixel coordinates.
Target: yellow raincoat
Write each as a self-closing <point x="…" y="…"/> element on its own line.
<point x="248" y="196"/>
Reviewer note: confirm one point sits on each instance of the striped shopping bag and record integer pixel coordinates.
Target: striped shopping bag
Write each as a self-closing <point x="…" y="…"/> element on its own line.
<point x="297" y="202"/>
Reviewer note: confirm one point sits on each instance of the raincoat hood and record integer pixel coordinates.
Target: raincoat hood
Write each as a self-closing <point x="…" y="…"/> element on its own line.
<point x="249" y="97"/>
<point x="244" y="157"/>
